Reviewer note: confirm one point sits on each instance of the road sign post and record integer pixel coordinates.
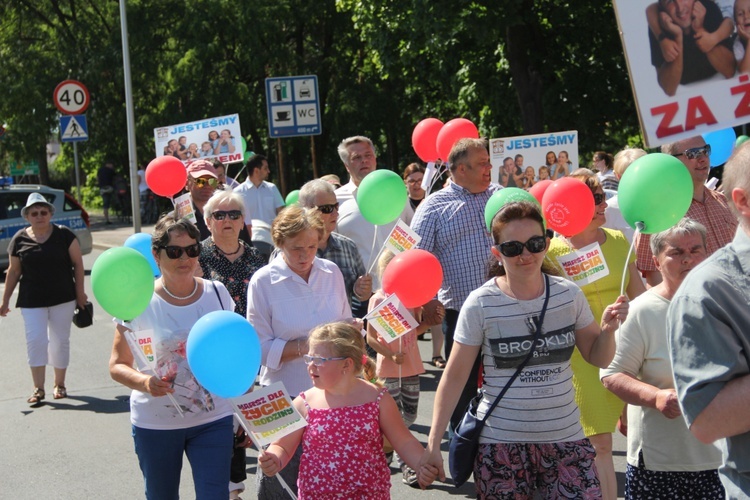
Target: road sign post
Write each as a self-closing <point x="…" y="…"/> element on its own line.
<point x="73" y="128"/>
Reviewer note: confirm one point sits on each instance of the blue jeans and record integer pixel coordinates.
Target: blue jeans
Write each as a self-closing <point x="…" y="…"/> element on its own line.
<point x="208" y="448"/>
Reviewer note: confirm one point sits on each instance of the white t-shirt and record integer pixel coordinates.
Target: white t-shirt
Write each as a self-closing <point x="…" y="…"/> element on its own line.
<point x="169" y="326"/>
<point x="260" y="201"/>
<point x="643" y="352"/>
<point x="539" y="407"/>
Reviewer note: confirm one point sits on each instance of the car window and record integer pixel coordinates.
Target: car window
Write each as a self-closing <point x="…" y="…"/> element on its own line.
<point x="11" y="204"/>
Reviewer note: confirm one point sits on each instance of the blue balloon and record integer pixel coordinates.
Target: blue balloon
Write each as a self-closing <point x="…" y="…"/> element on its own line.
<point x="722" y="145"/>
<point x="142" y="243"/>
<point x="223" y="352"/>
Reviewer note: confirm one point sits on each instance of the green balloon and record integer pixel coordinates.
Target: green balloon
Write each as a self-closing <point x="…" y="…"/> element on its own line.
<point x="740" y="140"/>
<point x="244" y="145"/>
<point x="656" y="190"/>
<point x="292" y="197"/>
<point x="248" y="155"/>
<point x="381" y="197"/>
<point x="500" y="198"/>
<point x="123" y="282"/>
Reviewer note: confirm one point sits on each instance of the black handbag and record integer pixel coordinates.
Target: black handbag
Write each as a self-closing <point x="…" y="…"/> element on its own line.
<point x="465" y="442"/>
<point x="84" y="317"/>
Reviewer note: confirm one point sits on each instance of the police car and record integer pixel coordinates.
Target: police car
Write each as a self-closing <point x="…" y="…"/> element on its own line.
<point x="68" y="212"/>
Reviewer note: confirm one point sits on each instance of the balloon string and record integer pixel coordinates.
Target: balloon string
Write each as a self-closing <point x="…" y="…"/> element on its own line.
<point x="374" y="259"/>
<point x="260" y="449"/>
<point x="442" y="168"/>
<point x="638" y="228"/>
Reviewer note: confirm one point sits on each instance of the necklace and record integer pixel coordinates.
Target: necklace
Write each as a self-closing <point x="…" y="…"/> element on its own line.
<point x="239" y="247"/>
<point x="195" y="289"/>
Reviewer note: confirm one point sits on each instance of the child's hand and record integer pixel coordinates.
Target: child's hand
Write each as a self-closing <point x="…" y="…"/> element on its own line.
<point x="397" y="357"/>
<point x="269" y="463"/>
<point x="427" y="475"/>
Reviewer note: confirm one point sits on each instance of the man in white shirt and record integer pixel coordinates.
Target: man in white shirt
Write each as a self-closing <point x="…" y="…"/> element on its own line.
<point x="262" y="199"/>
<point x="358" y="155"/>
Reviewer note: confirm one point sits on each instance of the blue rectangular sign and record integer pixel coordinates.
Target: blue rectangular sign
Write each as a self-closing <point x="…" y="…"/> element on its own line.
<point x="293" y="106"/>
<point x="73" y="128"/>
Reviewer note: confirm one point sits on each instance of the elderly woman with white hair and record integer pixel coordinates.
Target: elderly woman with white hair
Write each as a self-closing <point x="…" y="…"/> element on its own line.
<point x="46" y="259"/>
<point x="342" y="251"/>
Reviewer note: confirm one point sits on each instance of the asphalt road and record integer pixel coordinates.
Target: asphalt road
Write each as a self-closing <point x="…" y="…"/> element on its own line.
<point x="81" y="447"/>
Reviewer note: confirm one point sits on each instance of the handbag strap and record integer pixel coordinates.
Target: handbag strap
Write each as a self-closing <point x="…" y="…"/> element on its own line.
<point x="528" y="356"/>
<point x="218" y="295"/>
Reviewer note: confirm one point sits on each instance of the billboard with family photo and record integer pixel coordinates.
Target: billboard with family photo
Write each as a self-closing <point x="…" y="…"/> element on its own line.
<point x="688" y="65"/>
<point x="543" y="156"/>
<point x="218" y="137"/>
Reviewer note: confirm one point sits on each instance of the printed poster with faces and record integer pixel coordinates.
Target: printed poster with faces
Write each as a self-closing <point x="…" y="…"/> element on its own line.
<point x="585" y="265"/>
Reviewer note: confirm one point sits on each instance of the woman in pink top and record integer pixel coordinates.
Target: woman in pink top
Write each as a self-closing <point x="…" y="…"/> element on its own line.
<point x="400" y="365"/>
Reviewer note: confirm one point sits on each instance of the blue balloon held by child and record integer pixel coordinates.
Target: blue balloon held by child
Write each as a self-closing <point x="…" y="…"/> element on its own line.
<point x="223" y="352"/>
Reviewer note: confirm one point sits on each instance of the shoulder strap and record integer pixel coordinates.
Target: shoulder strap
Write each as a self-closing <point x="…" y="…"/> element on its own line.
<point x="218" y="295"/>
<point x="538" y="333"/>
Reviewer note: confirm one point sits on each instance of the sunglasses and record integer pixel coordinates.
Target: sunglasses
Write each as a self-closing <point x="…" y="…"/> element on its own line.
<point x="222" y="214"/>
<point x="43" y="213"/>
<point x="599" y="198"/>
<point x="535" y="244"/>
<point x="200" y="182"/>
<point x="318" y="361"/>
<point x="175" y="252"/>
<point x="327" y="209"/>
<point x="694" y="153"/>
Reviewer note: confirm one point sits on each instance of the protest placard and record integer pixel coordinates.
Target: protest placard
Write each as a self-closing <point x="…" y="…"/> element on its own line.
<point x="183" y="204"/>
<point x="585" y="265"/>
<point x="684" y="85"/>
<point x="219" y="137"/>
<point x="402" y="238"/>
<point x="268" y="413"/>
<point x="391" y="319"/>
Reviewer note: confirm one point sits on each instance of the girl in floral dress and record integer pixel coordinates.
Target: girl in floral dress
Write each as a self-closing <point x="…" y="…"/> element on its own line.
<point x="347" y="418"/>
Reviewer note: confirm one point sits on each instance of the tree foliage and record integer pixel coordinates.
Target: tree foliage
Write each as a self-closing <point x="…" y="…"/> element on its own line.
<point x="527" y="66"/>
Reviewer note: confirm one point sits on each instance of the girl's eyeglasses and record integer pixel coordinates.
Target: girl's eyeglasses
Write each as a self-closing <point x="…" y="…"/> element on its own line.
<point x="319" y="361"/>
<point x="535" y="244"/>
<point x="175" y="252"/>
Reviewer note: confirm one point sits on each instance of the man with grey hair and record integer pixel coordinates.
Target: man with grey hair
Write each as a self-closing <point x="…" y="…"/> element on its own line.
<point x="708" y="207"/>
<point x="451" y="224"/>
<point x="358" y="155"/>
<point x="709" y="327"/>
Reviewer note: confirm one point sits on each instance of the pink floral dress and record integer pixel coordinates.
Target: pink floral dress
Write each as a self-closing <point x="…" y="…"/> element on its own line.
<point x="343" y="453"/>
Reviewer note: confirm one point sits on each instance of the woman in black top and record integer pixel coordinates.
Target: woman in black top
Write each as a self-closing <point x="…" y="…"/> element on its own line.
<point x="46" y="259"/>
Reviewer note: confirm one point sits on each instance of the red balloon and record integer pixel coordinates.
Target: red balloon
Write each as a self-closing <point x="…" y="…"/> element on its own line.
<point x="568" y="206"/>
<point x="414" y="276"/>
<point x="459" y="128"/>
<point x="166" y="175"/>
<point x="424" y="139"/>
<point x="538" y="189"/>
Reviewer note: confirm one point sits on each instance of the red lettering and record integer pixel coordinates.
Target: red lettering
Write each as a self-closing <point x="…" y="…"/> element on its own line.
<point x="743" y="107"/>
<point x="669" y="111"/>
<point x="698" y="113"/>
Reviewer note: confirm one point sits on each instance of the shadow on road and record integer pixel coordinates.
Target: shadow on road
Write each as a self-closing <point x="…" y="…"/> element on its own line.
<point x="121" y="404"/>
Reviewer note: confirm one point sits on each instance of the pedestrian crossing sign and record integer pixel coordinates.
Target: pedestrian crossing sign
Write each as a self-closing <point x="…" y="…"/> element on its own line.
<point x="73" y="128"/>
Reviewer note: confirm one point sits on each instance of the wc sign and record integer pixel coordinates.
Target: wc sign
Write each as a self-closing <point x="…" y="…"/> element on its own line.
<point x="293" y="106"/>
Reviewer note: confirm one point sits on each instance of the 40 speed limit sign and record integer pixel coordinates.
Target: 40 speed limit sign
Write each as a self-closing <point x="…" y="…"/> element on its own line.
<point x="71" y="97"/>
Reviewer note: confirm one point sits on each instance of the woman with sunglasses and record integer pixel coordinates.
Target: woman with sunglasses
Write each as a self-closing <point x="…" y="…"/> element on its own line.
<point x="190" y="420"/>
<point x="533" y="438"/>
<point x="600" y="409"/>
<point x="286" y="300"/>
<point x="46" y="260"/>
<point x="342" y="251"/>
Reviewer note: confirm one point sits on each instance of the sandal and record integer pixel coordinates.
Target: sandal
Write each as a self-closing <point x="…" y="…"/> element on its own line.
<point x="60" y="392"/>
<point x="438" y="361"/>
<point x="37" y="397"/>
